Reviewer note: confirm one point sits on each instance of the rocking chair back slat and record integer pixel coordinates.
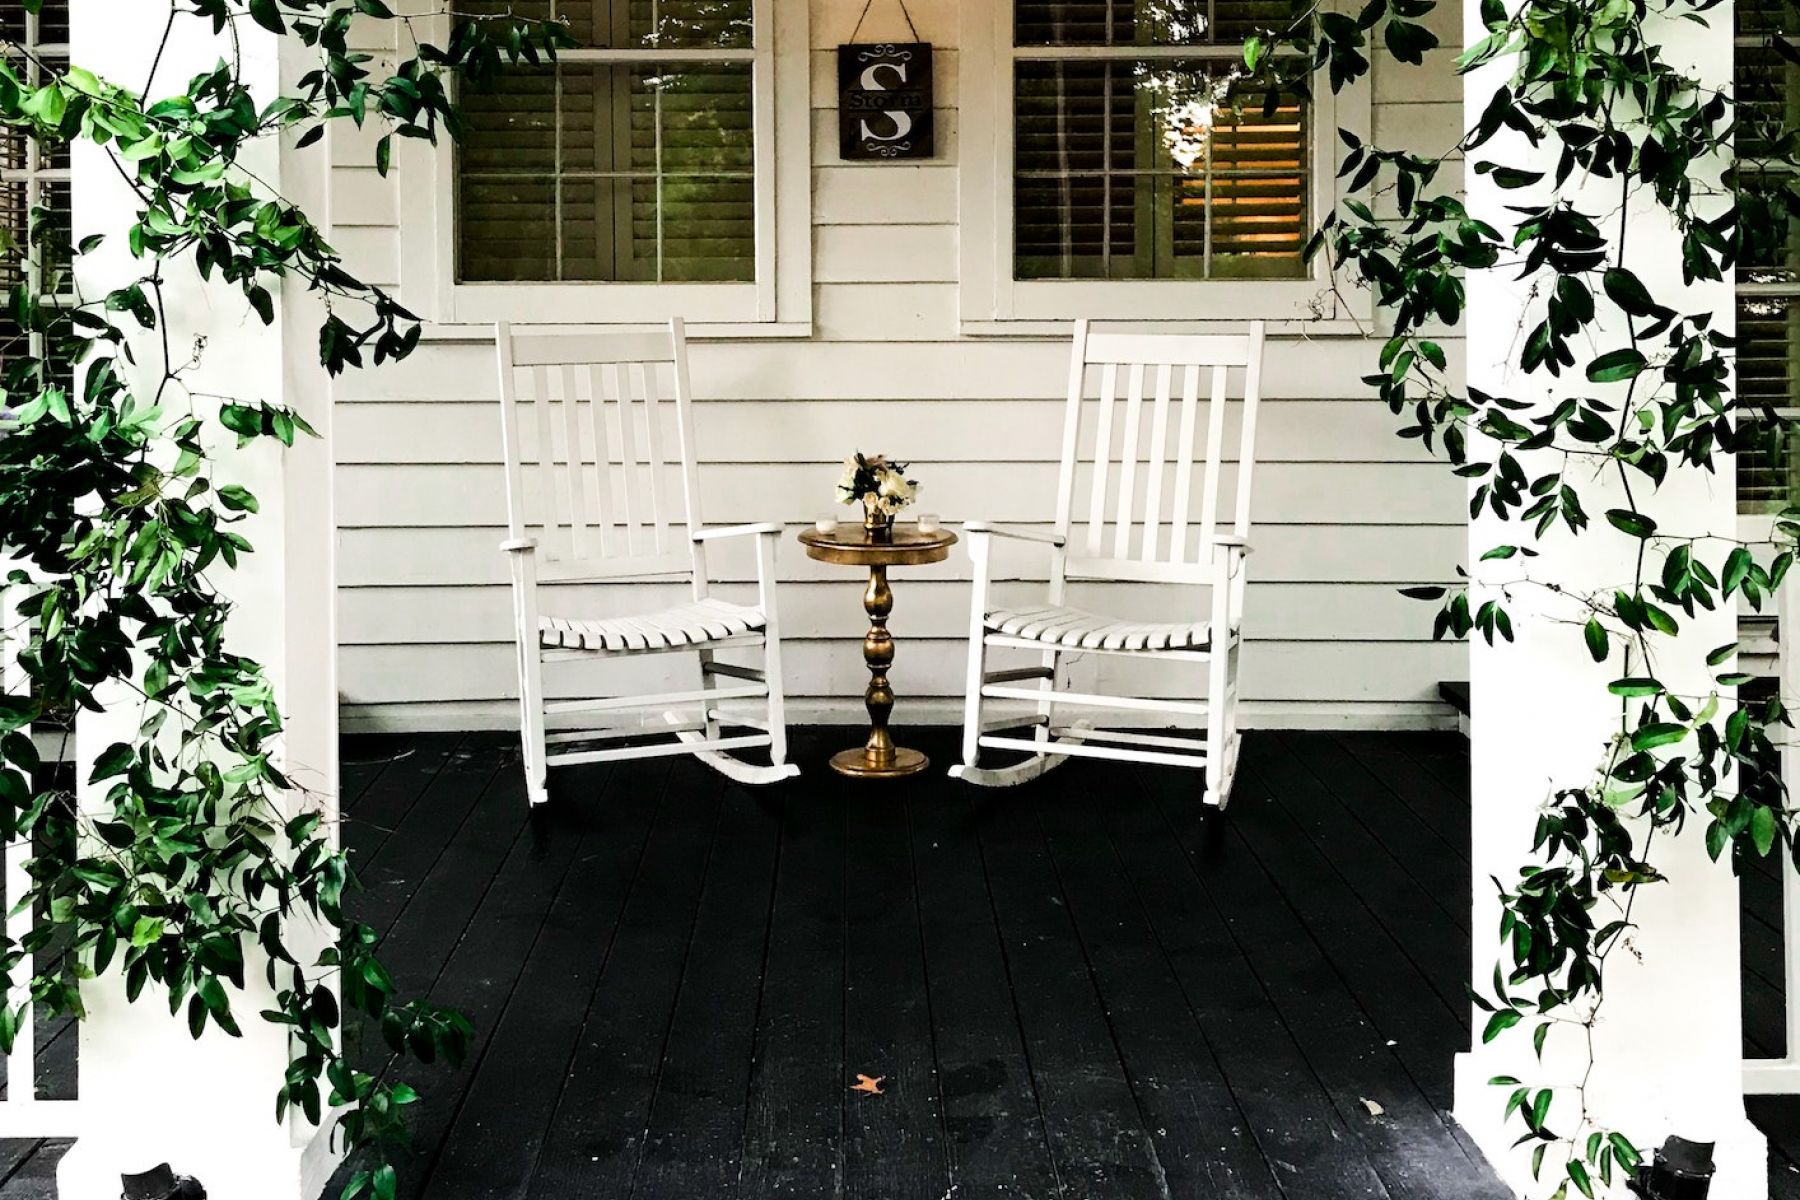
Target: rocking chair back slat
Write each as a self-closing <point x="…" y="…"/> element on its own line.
<point x="597" y="490"/>
<point x="1159" y="438"/>
<point x="1140" y="476"/>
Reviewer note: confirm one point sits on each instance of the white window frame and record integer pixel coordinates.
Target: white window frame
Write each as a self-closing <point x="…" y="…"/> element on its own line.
<point x="993" y="301"/>
<point x="778" y="302"/>
<point x="36" y="177"/>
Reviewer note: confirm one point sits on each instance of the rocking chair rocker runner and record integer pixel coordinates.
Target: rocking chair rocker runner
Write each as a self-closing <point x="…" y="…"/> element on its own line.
<point x="1141" y="527"/>
<point x="602" y="502"/>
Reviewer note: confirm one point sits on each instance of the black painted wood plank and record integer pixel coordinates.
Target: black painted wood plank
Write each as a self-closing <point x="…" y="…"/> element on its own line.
<point x="1444" y="810"/>
<point x="1405" y="986"/>
<point x="1203" y="1139"/>
<point x="794" y="1127"/>
<point x="1096" y="1132"/>
<point x="1427" y="926"/>
<point x="496" y="1134"/>
<point x="481" y="973"/>
<point x="693" y="1145"/>
<point x="1409" y="1143"/>
<point x="1443" y="754"/>
<point x="992" y="1118"/>
<point x="894" y="1143"/>
<point x="596" y="1124"/>
<point x="1300" y="1131"/>
<point x="409" y="770"/>
<point x="1385" y="823"/>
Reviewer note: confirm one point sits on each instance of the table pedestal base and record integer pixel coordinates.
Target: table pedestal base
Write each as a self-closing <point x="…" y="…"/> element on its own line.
<point x="857" y="763"/>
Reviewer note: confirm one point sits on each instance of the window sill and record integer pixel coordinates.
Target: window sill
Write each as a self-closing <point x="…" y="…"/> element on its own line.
<point x="477" y="331"/>
<point x="1058" y="330"/>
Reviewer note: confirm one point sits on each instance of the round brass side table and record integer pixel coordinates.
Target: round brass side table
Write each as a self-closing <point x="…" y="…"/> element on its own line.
<point x="851" y="545"/>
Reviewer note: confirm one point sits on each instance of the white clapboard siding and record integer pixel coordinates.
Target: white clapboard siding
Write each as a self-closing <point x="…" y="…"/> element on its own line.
<point x="415" y="495"/>
<point x="1345" y="512"/>
<point x="934" y="607"/>
<point x="460" y="555"/>
<point x="817" y="432"/>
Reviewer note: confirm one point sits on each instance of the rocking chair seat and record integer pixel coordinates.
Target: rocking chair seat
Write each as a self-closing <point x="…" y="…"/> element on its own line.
<point x="1060" y="625"/>
<point x="695" y="624"/>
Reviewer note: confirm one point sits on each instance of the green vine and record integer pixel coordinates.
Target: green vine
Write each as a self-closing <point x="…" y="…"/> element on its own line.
<point x="1588" y="86"/>
<point x="203" y="847"/>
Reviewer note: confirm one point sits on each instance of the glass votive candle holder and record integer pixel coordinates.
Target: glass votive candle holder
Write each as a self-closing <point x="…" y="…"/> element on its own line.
<point x="929" y="523"/>
<point x="826" y="523"/>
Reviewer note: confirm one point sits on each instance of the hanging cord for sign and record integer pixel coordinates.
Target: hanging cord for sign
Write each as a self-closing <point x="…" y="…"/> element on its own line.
<point x="868" y="4"/>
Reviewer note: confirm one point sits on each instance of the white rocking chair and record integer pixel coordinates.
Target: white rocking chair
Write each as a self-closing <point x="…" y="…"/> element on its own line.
<point x="603" y="503"/>
<point x="1149" y="501"/>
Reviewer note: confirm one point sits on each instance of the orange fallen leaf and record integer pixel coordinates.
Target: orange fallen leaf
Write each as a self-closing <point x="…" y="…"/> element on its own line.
<point x="867" y="1083"/>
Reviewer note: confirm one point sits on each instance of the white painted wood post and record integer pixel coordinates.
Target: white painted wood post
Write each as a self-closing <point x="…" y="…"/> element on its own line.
<point x="1668" y="1046"/>
<point x="149" y="1092"/>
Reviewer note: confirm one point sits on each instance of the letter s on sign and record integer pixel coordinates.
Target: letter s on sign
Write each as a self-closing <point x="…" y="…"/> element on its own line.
<point x="871" y="82"/>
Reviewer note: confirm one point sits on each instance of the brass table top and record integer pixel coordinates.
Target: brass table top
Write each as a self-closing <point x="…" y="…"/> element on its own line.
<point x="849" y="545"/>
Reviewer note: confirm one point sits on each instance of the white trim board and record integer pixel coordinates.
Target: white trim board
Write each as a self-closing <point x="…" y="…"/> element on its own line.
<point x="943" y="712"/>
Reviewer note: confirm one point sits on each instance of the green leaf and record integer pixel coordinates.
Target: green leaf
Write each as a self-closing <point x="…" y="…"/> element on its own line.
<point x="267" y="14"/>
<point x="1763" y="829"/>
<point x="1597" y="642"/>
<point x="1656" y="734"/>
<point x="1616" y="366"/>
<point x="1632" y="522"/>
<point x="1624" y="289"/>
<point x="1499" y="1023"/>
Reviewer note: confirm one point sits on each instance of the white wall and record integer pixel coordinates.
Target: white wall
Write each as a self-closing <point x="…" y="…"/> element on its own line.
<point x="1345" y="511"/>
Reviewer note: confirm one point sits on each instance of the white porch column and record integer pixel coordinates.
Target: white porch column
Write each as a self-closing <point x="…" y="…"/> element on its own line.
<point x="1667" y="1046"/>
<point x="151" y="1093"/>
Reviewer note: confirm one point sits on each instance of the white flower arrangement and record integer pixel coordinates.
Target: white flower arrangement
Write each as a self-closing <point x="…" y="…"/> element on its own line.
<point x="879" y="485"/>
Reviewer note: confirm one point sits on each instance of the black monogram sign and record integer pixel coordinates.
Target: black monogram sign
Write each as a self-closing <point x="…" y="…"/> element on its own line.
<point x="884" y="101"/>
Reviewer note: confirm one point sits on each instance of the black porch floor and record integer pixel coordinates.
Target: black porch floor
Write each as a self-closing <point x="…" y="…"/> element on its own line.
<point x="1083" y="989"/>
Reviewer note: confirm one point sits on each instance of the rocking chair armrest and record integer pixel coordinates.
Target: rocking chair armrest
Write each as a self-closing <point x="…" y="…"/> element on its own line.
<point x="519" y="546"/>
<point x="724" y="531"/>
<point x="1048" y="537"/>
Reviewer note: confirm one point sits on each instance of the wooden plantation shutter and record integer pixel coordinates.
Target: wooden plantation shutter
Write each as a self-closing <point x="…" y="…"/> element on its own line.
<point x="1768" y="301"/>
<point x="631" y="159"/>
<point x="1105" y="91"/>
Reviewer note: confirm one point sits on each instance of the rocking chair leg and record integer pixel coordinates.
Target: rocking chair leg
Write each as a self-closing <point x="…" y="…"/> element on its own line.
<point x="777" y="704"/>
<point x="1220" y="760"/>
<point x="531" y="690"/>
<point x="706" y="684"/>
<point x="971" y="751"/>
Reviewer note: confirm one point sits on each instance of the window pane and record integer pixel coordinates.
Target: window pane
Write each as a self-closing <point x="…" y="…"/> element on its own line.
<point x="1143" y="22"/>
<point x="1142" y="170"/>
<point x="635" y="24"/>
<point x="1769" y="334"/>
<point x="625" y="172"/>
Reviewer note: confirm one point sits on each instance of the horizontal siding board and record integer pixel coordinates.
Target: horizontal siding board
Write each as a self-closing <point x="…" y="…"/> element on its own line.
<point x="885" y="194"/>
<point x="822" y="431"/>
<point x="1347" y="554"/>
<point x="1337" y="671"/>
<point x="876" y="370"/>
<point x="1323" y="494"/>
<point x="884" y="254"/>
<point x="834" y="23"/>
<point x="931" y="607"/>
<point x="891" y="312"/>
